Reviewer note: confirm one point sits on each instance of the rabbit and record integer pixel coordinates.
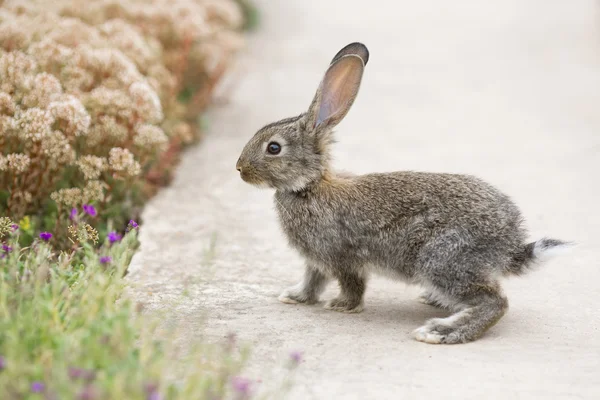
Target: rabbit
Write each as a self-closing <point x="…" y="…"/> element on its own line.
<point x="454" y="235"/>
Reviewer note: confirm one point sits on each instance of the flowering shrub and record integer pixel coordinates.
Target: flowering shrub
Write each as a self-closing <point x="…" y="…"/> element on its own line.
<point x="96" y="97"/>
<point x="68" y="331"/>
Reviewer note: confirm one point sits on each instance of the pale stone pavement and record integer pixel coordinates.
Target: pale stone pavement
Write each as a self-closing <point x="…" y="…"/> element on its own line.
<point x="507" y="90"/>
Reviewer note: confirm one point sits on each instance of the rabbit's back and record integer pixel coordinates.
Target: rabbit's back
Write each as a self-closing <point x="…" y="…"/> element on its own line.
<point x="397" y="221"/>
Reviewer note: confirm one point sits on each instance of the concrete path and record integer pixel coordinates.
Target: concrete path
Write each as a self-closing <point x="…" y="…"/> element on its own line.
<point x="508" y="90"/>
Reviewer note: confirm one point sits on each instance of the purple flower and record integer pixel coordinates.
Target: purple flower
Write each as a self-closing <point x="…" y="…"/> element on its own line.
<point x="45" y="236"/>
<point x="296" y="357"/>
<point x="75" y="373"/>
<point x="6" y="248"/>
<point x="87" y="393"/>
<point x="114" y="237"/>
<point x="73" y="214"/>
<point x="105" y="260"/>
<point x="37" y="387"/>
<point x="14" y="227"/>
<point x="154" y="396"/>
<point x="132" y="225"/>
<point x="90" y="210"/>
<point x="2" y="363"/>
<point x="89" y="375"/>
<point x="79" y="373"/>
<point x="150" y="387"/>
<point x="241" y="385"/>
<point x="152" y="393"/>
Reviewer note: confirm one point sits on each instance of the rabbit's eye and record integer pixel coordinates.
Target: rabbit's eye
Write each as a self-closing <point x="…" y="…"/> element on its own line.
<point x="274" y="148"/>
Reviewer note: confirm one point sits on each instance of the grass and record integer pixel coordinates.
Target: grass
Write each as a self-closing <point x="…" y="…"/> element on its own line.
<point x="68" y="331"/>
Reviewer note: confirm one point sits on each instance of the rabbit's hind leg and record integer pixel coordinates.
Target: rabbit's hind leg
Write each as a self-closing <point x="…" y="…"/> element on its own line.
<point x="479" y="311"/>
<point x="431" y="298"/>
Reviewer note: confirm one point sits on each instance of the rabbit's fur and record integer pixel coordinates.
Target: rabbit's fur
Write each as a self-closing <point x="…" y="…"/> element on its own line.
<point x="453" y="234"/>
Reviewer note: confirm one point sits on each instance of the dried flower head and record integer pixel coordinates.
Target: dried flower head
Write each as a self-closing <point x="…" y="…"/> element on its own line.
<point x="121" y="160"/>
<point x="93" y="191"/>
<point x="150" y="138"/>
<point x="50" y="55"/>
<point x="5" y="226"/>
<point x="106" y="128"/>
<point x="46" y="88"/>
<point x="57" y="149"/>
<point x="142" y="51"/>
<point x="70" y="197"/>
<point x="17" y="163"/>
<point x="183" y="131"/>
<point x="8" y="125"/>
<point x="83" y="233"/>
<point x="16" y="70"/>
<point x="7" y="105"/>
<point x="91" y="166"/>
<point x="20" y="198"/>
<point x="71" y="116"/>
<point x="110" y="66"/>
<point x="106" y="101"/>
<point x="33" y="123"/>
<point x="146" y="102"/>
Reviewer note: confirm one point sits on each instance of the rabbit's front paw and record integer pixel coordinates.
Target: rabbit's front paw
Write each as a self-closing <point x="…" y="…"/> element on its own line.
<point x="294" y="295"/>
<point x="344" y="305"/>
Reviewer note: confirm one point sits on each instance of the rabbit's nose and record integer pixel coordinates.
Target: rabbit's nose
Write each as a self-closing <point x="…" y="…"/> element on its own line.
<point x="238" y="165"/>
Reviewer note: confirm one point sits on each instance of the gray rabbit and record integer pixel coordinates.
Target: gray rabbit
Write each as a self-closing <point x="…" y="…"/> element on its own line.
<point x="455" y="235"/>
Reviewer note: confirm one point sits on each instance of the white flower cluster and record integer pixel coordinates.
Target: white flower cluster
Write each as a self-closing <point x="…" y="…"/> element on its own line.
<point x="93" y="87"/>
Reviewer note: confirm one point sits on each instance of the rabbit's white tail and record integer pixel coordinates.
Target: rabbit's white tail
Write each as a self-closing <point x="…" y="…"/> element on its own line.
<point x="535" y="252"/>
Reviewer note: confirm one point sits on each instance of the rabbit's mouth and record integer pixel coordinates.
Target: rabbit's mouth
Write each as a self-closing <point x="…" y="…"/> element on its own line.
<point x="251" y="178"/>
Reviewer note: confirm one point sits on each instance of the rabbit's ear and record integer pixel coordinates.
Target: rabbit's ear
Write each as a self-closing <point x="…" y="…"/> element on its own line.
<point x="353" y="49"/>
<point x="336" y="92"/>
